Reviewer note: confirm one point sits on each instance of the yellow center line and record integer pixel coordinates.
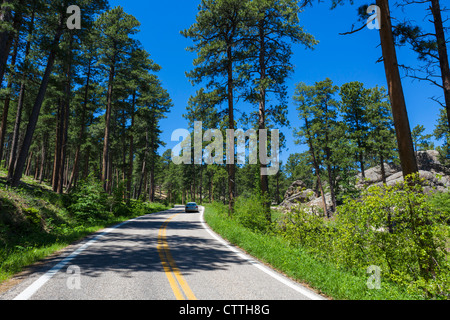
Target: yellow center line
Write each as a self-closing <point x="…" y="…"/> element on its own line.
<point x="171" y="270"/>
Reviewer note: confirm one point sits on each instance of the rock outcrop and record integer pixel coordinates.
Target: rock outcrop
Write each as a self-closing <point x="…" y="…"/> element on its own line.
<point x="297" y="193"/>
<point x="437" y="178"/>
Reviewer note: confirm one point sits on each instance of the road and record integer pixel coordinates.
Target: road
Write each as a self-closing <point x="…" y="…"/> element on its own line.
<point x="163" y="256"/>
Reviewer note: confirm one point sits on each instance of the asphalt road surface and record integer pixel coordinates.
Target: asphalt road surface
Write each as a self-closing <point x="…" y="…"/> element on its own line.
<point x="163" y="256"/>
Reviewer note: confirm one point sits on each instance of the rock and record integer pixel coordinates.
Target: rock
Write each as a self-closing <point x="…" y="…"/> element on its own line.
<point x="373" y="175"/>
<point x="436" y="175"/>
<point x="318" y="203"/>
<point x="303" y="196"/>
<point x="432" y="180"/>
<point x="429" y="161"/>
<point x="296" y="187"/>
<point x="395" y="178"/>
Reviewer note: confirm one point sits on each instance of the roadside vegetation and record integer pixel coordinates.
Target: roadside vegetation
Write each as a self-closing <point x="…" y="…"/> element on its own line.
<point x="35" y="222"/>
<point x="399" y="230"/>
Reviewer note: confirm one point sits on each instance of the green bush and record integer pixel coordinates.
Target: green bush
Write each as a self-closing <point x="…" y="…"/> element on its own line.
<point x="88" y="201"/>
<point x="117" y="205"/>
<point x="392" y="227"/>
<point x="440" y="201"/>
<point x="250" y="212"/>
<point x="395" y="228"/>
<point x="309" y="230"/>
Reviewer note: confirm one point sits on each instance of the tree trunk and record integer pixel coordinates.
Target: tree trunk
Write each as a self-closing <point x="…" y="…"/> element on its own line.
<point x="361" y="161"/>
<point x="443" y="54"/>
<point x="5" y="38"/>
<point x="15" y="138"/>
<point x="7" y="100"/>
<point x="65" y="127"/>
<point x="144" y="169"/>
<point x="152" y="163"/>
<point x="316" y="168"/>
<point x="105" y="165"/>
<point x="383" y="172"/>
<point x="28" y="167"/>
<point x="211" y="195"/>
<point x="131" y="151"/>
<point x="230" y="165"/>
<point x="330" y="179"/>
<point x="37" y="108"/>
<point x="58" y="144"/>
<point x="200" y="196"/>
<point x="81" y="135"/>
<point x="399" y="112"/>
<point x="62" y="128"/>
<point x="43" y="158"/>
<point x="264" y="179"/>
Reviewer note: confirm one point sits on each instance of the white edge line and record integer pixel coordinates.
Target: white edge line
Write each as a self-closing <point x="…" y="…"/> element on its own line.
<point x="311" y="295"/>
<point x="36" y="285"/>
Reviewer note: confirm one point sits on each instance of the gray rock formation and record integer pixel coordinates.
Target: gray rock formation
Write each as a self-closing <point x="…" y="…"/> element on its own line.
<point x="297" y="193"/>
<point x="436" y="175"/>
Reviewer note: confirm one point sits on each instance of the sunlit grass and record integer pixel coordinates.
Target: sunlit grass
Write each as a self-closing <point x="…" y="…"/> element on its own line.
<point x="34" y="224"/>
<point x="299" y="265"/>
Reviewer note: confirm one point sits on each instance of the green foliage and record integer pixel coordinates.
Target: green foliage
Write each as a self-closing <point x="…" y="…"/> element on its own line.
<point x="250" y="212"/>
<point x="421" y="141"/>
<point x="285" y="255"/>
<point x="88" y="201"/>
<point x="396" y="228"/>
<point x="307" y="229"/>
<point x="440" y="202"/>
<point x="35" y="222"/>
<point x="118" y="207"/>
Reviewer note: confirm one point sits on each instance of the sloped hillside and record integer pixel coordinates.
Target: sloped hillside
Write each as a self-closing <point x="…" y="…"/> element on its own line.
<point x="35" y="221"/>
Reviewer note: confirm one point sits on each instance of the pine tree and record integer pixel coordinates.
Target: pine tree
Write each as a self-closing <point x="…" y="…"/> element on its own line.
<point x="58" y="31"/>
<point x="274" y="27"/>
<point x="381" y="137"/>
<point x="115" y="28"/>
<point x="304" y="98"/>
<point x="217" y="33"/>
<point x="431" y="49"/>
<point x="394" y="83"/>
<point x="318" y="108"/>
<point x="354" y="100"/>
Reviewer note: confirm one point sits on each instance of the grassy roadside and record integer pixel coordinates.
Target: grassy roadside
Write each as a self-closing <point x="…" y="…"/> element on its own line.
<point x="299" y="265"/>
<point x="35" y="223"/>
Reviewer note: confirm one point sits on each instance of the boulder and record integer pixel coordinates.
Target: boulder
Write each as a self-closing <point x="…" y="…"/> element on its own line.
<point x="373" y="175"/>
<point x="429" y="161"/>
<point x="297" y="195"/>
<point x="296" y="187"/>
<point x="436" y="175"/>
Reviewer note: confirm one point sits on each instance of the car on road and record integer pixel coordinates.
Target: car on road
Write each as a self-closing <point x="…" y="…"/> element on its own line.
<point x="191" y="207"/>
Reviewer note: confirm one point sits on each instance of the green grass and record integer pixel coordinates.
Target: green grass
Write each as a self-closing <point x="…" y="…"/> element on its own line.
<point x="35" y="223"/>
<point x="297" y="264"/>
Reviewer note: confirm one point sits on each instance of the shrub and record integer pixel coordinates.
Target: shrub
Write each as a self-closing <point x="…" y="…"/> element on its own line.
<point x="392" y="227"/>
<point x="395" y="228"/>
<point x="440" y="201"/>
<point x="309" y="230"/>
<point x="88" y="201"/>
<point x="250" y="212"/>
<point x="116" y="203"/>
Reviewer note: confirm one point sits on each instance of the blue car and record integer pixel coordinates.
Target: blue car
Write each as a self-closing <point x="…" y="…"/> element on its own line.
<point x="191" y="207"/>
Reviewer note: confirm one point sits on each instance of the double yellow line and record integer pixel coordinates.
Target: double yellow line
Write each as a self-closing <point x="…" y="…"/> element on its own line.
<point x="176" y="280"/>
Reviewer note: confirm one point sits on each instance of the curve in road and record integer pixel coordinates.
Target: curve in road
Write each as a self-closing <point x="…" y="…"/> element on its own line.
<point x="164" y="256"/>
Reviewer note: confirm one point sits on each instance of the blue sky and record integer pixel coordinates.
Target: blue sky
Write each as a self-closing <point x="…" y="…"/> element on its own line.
<point x="338" y="57"/>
